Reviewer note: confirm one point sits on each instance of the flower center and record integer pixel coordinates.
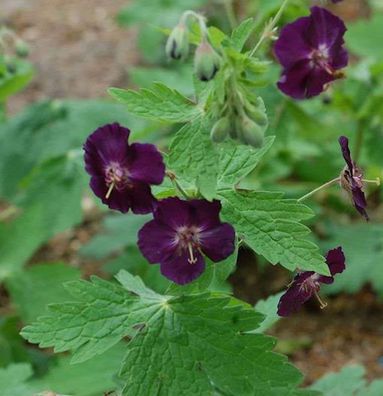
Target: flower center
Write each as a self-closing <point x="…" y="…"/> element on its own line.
<point x="320" y="58"/>
<point x="311" y="284"/>
<point x="116" y="176"/>
<point x="188" y="239"/>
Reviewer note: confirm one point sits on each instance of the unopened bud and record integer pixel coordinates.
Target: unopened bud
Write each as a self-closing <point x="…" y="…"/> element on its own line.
<point x="258" y="113"/>
<point x="21" y="48"/>
<point x="177" y="46"/>
<point x="220" y="130"/>
<point x="206" y="61"/>
<point x="249" y="132"/>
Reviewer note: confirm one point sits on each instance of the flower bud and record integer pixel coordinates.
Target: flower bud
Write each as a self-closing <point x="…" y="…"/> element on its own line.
<point x="258" y="113"/>
<point x="206" y="61"/>
<point x="220" y="130"/>
<point x="177" y="46"/>
<point x="22" y="49"/>
<point x="249" y="132"/>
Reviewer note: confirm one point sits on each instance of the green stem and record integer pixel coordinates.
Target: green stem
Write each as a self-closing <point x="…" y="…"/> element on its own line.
<point x="323" y="186"/>
<point x="228" y="4"/>
<point x="269" y="27"/>
<point x="176" y="185"/>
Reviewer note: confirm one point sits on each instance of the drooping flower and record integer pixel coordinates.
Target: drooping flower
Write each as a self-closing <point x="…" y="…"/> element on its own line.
<point x="121" y="173"/>
<point x="181" y="233"/>
<point x="352" y="179"/>
<point x="307" y="284"/>
<point x="311" y="53"/>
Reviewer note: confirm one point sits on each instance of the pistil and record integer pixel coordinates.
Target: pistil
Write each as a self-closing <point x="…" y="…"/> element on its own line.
<point x="111" y="187"/>
<point x="191" y="259"/>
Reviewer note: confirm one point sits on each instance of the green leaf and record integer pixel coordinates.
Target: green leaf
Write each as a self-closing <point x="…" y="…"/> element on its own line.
<point x="237" y="161"/>
<point x="241" y="33"/>
<point x="364" y="259"/>
<point x="44" y="283"/>
<point x="92" y="378"/>
<point x="194" y="158"/>
<point x="349" y="381"/>
<point x="160" y="103"/>
<point x="196" y="344"/>
<point x="360" y="40"/>
<point x="270" y="226"/>
<point x="13" y="380"/>
<point x="268" y="307"/>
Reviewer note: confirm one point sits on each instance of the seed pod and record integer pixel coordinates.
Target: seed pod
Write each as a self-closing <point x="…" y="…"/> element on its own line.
<point x="220" y="130"/>
<point x="177" y="46"/>
<point x="249" y="132"/>
<point x="206" y="61"/>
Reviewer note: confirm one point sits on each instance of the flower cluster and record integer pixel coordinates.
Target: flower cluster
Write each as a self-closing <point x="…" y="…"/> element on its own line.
<point x="307" y="284"/>
<point x="311" y="53"/>
<point x="181" y="231"/>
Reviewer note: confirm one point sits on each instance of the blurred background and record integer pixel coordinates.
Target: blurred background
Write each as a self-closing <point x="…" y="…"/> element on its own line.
<point x="57" y="60"/>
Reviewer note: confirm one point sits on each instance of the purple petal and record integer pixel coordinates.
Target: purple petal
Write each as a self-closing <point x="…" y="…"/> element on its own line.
<point x="325" y="28"/>
<point x="179" y="270"/>
<point x="174" y="212"/>
<point x="291" y="46"/>
<point x="108" y="143"/>
<point x="141" y="198"/>
<point x="219" y="242"/>
<point x="343" y="141"/>
<point x="146" y="163"/>
<point x="316" y="82"/>
<point x="156" y="241"/>
<point x="296" y="295"/>
<point x="359" y="200"/>
<point x="204" y="213"/>
<point x="335" y="259"/>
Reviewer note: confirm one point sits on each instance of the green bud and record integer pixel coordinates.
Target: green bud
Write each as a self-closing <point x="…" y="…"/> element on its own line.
<point x="249" y="132"/>
<point x="206" y="61"/>
<point x="177" y="46"/>
<point x="21" y="48"/>
<point x="220" y="130"/>
<point x="257" y="113"/>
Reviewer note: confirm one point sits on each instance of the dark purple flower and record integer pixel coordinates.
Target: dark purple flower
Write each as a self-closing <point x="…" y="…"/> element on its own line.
<point x="121" y="173"/>
<point x="181" y="233"/>
<point x="311" y="52"/>
<point x="351" y="179"/>
<point x="308" y="283"/>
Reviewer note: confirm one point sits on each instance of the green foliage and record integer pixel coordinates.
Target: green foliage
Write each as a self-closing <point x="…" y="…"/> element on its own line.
<point x="241" y="33"/>
<point x="194" y="158"/>
<point x="363" y="37"/>
<point x="364" y="258"/>
<point x="13" y="380"/>
<point x="268" y="307"/>
<point x="349" y="381"/>
<point x="44" y="283"/>
<point x="269" y="225"/>
<point x="200" y="337"/>
<point x="159" y="103"/>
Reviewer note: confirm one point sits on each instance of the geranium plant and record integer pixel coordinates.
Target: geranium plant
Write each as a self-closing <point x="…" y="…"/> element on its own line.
<point x="195" y="339"/>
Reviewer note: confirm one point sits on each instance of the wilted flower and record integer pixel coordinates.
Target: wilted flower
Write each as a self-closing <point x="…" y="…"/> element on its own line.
<point x="121" y="173"/>
<point x="311" y="52"/>
<point x="181" y="233"/>
<point x="177" y="46"/>
<point x="351" y="179"/>
<point x="308" y="283"/>
<point x="206" y="61"/>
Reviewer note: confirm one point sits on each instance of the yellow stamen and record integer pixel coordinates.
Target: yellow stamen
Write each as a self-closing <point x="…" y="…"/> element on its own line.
<point x="111" y="186"/>
<point x="191" y="259"/>
<point x="321" y="302"/>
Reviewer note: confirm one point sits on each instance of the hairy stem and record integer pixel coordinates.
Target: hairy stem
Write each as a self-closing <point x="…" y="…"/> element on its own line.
<point x="323" y="186"/>
<point x="228" y="4"/>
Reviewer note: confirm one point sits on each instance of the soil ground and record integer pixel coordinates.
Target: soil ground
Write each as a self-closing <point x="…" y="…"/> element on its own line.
<point x="79" y="51"/>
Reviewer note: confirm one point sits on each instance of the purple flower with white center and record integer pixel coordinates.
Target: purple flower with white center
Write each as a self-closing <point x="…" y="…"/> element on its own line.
<point x="121" y="173"/>
<point x="311" y="53"/>
<point x="181" y="233"/>
<point x="307" y="284"/>
<point x="351" y="179"/>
